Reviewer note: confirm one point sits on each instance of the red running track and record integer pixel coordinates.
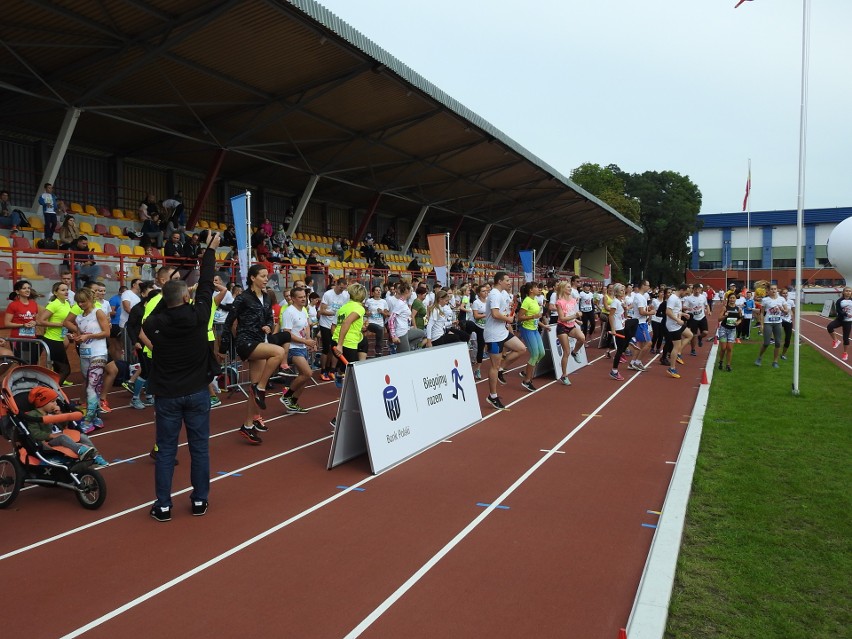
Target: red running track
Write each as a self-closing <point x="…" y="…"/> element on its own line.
<point x="283" y="551"/>
<point x="814" y="332"/>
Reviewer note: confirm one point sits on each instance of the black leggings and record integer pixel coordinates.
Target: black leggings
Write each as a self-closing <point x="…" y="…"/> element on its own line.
<point x="472" y="328"/>
<point x="379" y="332"/>
<point x="744" y="327"/>
<point x="620" y="346"/>
<point x="659" y="335"/>
<point x="788" y="333"/>
<point x="587" y="323"/>
<point x="837" y="323"/>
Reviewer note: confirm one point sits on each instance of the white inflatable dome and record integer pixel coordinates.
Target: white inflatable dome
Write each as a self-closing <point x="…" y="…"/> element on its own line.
<point x="840" y="249"/>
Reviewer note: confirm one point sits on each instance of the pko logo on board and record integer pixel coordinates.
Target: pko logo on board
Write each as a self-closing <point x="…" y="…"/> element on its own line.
<point x="391" y="395"/>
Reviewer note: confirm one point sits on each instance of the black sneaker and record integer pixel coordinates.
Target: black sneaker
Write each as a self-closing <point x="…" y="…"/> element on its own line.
<point x="161" y="513"/>
<point x="528" y="385"/>
<point x="259" y="396"/>
<point x="250" y="434"/>
<point x="720" y="364"/>
<point x="496" y="403"/>
<point x="501" y="376"/>
<point x="199" y="507"/>
<point x="260" y="425"/>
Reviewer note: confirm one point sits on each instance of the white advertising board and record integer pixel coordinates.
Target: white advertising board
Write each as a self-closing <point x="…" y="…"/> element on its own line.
<point x="394" y="407"/>
<point x="826" y="308"/>
<point x="555" y="348"/>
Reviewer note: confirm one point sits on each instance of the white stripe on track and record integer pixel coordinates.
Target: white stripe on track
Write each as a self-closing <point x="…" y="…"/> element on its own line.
<point x="263" y="535"/>
<point x="411" y="581"/>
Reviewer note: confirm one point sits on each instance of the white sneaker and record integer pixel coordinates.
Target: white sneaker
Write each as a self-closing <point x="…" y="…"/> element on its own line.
<point x="564" y="379"/>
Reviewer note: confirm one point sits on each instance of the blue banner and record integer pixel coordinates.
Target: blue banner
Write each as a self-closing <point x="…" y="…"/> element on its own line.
<point x="527" y="264"/>
<point x="239" y="208"/>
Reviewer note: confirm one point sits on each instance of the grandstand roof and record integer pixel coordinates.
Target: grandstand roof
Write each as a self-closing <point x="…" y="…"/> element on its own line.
<point x="289" y="91"/>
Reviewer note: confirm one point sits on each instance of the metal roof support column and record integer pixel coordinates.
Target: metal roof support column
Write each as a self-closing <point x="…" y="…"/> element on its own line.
<point x="567" y="255"/>
<point x="505" y="246"/>
<point x="362" y="227"/>
<point x="456" y="229"/>
<point x="479" y="242"/>
<point x="303" y="204"/>
<point x="204" y="193"/>
<point x="414" y="228"/>
<point x="59" y="149"/>
<point x="543" y="246"/>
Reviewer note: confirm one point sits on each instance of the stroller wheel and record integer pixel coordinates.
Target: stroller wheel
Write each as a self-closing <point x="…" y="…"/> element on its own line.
<point x="11" y="478"/>
<point x="92" y="491"/>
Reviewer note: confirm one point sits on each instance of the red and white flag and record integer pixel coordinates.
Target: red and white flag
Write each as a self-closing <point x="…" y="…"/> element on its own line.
<point x="740" y="2"/>
<point x="748" y="187"/>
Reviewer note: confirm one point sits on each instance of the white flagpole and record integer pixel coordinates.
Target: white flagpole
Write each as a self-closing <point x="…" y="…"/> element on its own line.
<point x="447" y="275"/>
<point x="248" y="234"/>
<point x="748" y="230"/>
<point x="534" y="261"/>
<point x="800" y="212"/>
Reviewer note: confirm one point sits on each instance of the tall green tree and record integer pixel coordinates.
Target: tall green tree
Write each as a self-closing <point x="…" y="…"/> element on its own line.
<point x="669" y="207"/>
<point x="608" y="185"/>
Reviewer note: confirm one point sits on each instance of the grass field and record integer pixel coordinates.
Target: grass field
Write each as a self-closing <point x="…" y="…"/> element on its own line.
<point x="767" y="547"/>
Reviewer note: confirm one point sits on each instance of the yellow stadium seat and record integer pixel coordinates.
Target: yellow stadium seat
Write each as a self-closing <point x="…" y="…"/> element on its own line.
<point x="76" y="208"/>
<point x="203" y="224"/>
<point x="118" y="214"/>
<point x="86" y="229"/>
<point x="138" y="250"/>
<point x="4" y="242"/>
<point x="129" y="215"/>
<point x="27" y="271"/>
<point x="36" y="222"/>
<point x="95" y="247"/>
<point x="115" y="230"/>
<point x="91" y="210"/>
<point x="123" y="249"/>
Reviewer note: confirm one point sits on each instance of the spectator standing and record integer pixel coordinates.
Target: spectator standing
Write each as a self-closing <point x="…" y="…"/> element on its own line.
<point x="181" y="370"/>
<point x="47" y="200"/>
<point x="21" y="317"/>
<point x="152" y="232"/>
<point x="173" y="251"/>
<point x="129" y="299"/>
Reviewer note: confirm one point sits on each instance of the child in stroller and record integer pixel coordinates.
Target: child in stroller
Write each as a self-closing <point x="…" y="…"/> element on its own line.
<point x="44" y="402"/>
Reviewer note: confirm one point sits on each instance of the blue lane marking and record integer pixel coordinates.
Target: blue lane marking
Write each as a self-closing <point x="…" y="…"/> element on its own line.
<point x="360" y="490"/>
<point x="650" y="525"/>
<point x="483" y="505"/>
<point x="222" y="472"/>
<point x="119" y="460"/>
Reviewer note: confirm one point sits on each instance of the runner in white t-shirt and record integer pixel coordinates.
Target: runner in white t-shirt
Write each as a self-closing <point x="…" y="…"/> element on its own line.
<point x="774" y="308"/>
<point x="698" y="309"/>
<point x="587" y="310"/>
<point x="843" y="309"/>
<point x="296" y="321"/>
<point x="498" y="339"/>
<point x="641" y="312"/>
<point x="377" y="311"/>
<point x="678" y="335"/>
<point x="332" y="300"/>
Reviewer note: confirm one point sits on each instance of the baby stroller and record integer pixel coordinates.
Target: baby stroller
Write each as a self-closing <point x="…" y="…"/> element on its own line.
<point x="31" y="461"/>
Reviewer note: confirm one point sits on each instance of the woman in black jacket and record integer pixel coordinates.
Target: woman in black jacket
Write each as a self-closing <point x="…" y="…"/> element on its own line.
<point x="256" y="345"/>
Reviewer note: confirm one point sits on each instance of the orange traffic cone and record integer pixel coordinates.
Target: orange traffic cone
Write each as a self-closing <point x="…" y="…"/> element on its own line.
<point x="704" y="379"/>
<point x="622" y="634"/>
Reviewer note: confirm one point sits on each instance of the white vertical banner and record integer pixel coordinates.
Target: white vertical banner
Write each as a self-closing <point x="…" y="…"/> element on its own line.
<point x="241" y="210"/>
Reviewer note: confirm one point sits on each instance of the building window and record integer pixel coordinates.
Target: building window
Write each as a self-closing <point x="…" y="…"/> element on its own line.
<point x="784" y="263"/>
<point x="709" y="265"/>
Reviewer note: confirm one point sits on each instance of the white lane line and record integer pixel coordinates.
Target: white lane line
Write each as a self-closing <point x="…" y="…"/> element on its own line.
<point x="824" y="350"/>
<point x="194" y="571"/>
<point x="411" y="581"/>
<point x="147" y="504"/>
<point x="215" y="560"/>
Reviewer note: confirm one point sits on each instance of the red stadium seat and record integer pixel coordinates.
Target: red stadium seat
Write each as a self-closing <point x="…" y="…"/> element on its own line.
<point x="48" y="271"/>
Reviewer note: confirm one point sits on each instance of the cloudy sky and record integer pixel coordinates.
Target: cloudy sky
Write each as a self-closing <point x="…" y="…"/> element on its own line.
<point x="692" y="86"/>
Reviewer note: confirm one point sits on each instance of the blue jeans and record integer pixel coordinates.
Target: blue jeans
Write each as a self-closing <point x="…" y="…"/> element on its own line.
<point x="194" y="411"/>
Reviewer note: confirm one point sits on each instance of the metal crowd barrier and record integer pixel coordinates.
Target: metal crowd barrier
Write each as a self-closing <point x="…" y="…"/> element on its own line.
<point x="31" y="350"/>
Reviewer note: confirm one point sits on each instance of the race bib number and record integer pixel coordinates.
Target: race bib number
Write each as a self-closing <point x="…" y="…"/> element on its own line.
<point x="64" y="332"/>
<point x="85" y="351"/>
<point x="27" y="331"/>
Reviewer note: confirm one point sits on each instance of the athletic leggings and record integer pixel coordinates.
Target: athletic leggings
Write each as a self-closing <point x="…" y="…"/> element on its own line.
<point x="659" y="335"/>
<point x="744" y="327"/>
<point x="587" y="323"/>
<point x="788" y="333"/>
<point x="471" y="328"/>
<point x="620" y="346"/>
<point x="92" y="369"/>
<point x="379" y="332"/>
<point x="535" y="344"/>
<point x="837" y="323"/>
